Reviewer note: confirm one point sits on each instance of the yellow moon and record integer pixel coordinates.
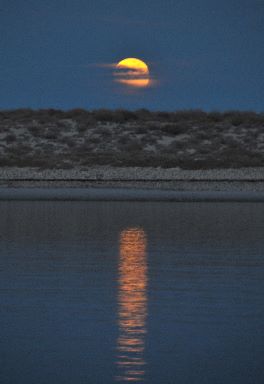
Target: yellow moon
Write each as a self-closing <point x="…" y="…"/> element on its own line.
<point x="133" y="72"/>
<point x="132" y="63"/>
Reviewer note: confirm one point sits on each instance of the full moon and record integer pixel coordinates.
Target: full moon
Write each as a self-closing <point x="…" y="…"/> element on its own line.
<point x="133" y="72"/>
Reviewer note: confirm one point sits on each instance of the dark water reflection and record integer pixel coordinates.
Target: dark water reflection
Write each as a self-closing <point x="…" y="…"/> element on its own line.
<point x="116" y="292"/>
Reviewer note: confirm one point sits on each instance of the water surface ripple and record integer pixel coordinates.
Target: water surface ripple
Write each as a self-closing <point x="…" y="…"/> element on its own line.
<point x="147" y="292"/>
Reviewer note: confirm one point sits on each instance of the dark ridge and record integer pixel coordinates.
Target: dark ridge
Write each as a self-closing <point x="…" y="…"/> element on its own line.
<point x="191" y="139"/>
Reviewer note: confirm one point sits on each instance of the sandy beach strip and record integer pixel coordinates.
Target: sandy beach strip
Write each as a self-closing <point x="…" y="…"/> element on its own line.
<point x="142" y="184"/>
<point x="108" y="173"/>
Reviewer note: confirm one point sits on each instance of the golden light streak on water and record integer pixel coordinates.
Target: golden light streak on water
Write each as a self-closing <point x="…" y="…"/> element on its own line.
<point x="132" y="305"/>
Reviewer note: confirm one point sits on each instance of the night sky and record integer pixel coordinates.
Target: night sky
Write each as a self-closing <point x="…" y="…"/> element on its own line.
<point x="203" y="54"/>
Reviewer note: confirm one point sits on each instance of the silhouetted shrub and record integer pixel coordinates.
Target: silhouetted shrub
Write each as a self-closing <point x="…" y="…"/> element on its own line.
<point x="132" y="146"/>
<point x="104" y="115"/>
<point x="215" y="117"/>
<point x="11" y="138"/>
<point x="77" y="114"/>
<point x="175" y="129"/>
<point x="122" y="116"/>
<point x="187" y="115"/>
<point x="143" y="115"/>
<point x="105" y="132"/>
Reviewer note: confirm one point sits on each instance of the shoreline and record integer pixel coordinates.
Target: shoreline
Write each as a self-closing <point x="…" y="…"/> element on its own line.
<point x="109" y="173"/>
<point x="116" y="183"/>
<point x="125" y="194"/>
<point x="206" y="186"/>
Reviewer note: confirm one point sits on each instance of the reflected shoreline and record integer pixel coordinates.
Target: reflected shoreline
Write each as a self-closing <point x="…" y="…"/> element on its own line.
<point x="156" y="191"/>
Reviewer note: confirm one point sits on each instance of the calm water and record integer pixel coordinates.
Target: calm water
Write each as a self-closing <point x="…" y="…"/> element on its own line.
<point x="112" y="292"/>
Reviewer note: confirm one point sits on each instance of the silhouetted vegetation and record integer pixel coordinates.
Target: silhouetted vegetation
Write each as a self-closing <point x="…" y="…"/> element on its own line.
<point x="188" y="139"/>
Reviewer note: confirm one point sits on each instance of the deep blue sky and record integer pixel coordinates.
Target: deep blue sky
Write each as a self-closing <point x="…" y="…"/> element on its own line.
<point x="206" y="54"/>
